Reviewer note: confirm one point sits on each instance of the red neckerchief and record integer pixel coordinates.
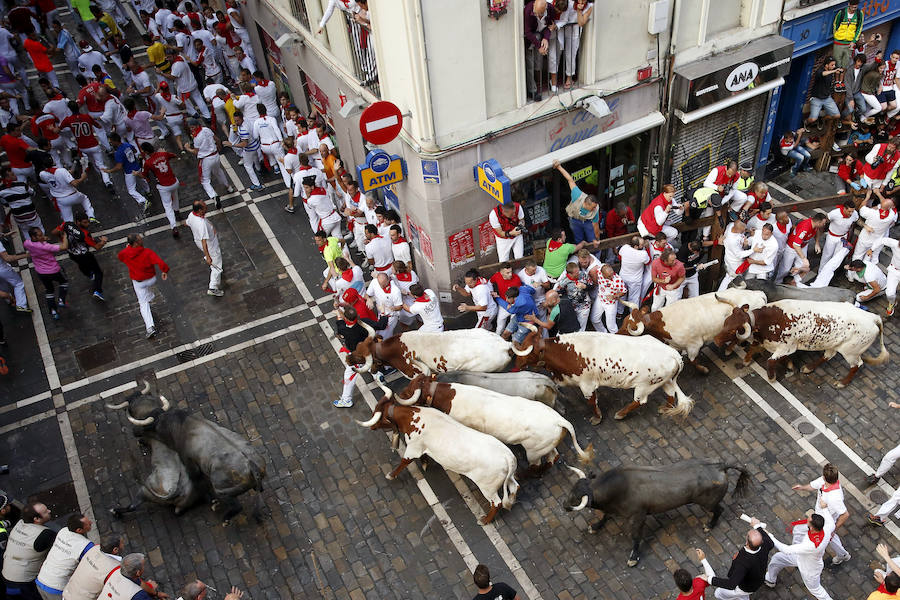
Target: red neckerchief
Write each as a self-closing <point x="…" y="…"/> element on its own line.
<point x="292" y="151"/>
<point x="137" y="70"/>
<point x="250" y="94"/>
<point x="782" y="227"/>
<point x="177" y="59"/>
<point x="481" y="281"/>
<point x="166" y="95"/>
<point x="349" y="323"/>
<point x="844" y="212"/>
<point x="194" y="212"/>
<point x="553" y="245"/>
<point x="322" y="247"/>
<point x="883" y="214"/>
<point x="51" y="170"/>
<point x="830" y="487"/>
<point x="570" y="278"/>
<point x="263" y="82"/>
<point x="317" y="191"/>
<point x="423" y="298"/>
<point x="404" y="276"/>
<point x="817" y="537"/>
<point x="131" y="113"/>
<point x="400" y="240"/>
<point x="347" y="275"/>
<point x="387" y="290"/>
<point x="373" y="237"/>
<point x="57" y="97"/>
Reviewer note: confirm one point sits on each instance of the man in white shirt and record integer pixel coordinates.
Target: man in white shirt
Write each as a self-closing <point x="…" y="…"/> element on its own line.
<point x="765" y="215"/>
<point x="610" y="289"/>
<point x="248" y="103"/>
<point x="322" y="214"/>
<point x="425" y="304"/>
<point x="268" y="95"/>
<point x="314" y="140"/>
<point x="871" y="275"/>
<point x="736" y="250"/>
<point x="634" y="260"/>
<point x="385" y="298"/>
<point x="171" y="107"/>
<point x="88" y="58"/>
<point x="783" y="228"/>
<point x="63" y="189"/>
<point x="840" y="221"/>
<point x="399" y="246"/>
<point x="828" y="488"/>
<point x="378" y="251"/>
<point x="207" y="240"/>
<point x="536" y="277"/>
<point x="207" y="152"/>
<point x="508" y="223"/>
<point x="114" y="114"/>
<point x="893" y="270"/>
<point x="765" y="252"/>
<point x="809" y="544"/>
<point x="483" y="304"/>
<point x="876" y="224"/>
<point x="248" y="148"/>
<point x="186" y="84"/>
<point x="267" y="131"/>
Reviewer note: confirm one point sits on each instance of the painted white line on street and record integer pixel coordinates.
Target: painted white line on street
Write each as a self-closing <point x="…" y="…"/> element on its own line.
<point x="47" y="414"/>
<point x="25" y="402"/>
<point x="40" y="331"/>
<point x="801" y="441"/>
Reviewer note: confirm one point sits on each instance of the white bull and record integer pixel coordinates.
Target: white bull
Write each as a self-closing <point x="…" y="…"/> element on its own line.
<point x="691" y="323"/>
<point x="482" y="458"/>
<point x="513" y="420"/>
<point x="590" y="360"/>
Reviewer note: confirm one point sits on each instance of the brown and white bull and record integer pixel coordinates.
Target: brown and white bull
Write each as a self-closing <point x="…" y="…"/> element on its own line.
<point x="482" y="458"/>
<point x="589" y="360"/>
<point x="691" y="323"/>
<point x="513" y="420"/>
<point x="786" y="326"/>
<point x="420" y="353"/>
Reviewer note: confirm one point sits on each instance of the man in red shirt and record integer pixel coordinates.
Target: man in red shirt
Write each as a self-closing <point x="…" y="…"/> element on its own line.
<point x="668" y="276"/>
<point x="46" y="126"/>
<point x="694" y="588"/>
<point x="87" y="97"/>
<point x="502" y="280"/>
<point x="40" y="56"/>
<point x="142" y="263"/>
<point x="15" y="148"/>
<point x="83" y="128"/>
<point x="798" y="241"/>
<point x="158" y="163"/>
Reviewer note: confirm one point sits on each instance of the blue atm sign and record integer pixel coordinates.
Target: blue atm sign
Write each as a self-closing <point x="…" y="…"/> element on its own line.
<point x="489" y="176"/>
<point x="381" y="169"/>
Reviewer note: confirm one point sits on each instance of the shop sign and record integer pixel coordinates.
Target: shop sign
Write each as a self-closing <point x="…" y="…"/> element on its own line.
<point x="581" y="125"/>
<point x="431" y="173"/>
<point x="486" y="238"/>
<point x="462" y="247"/>
<point x="489" y="176"/>
<point x="582" y="173"/>
<point x="426" y="249"/>
<point x="381" y="170"/>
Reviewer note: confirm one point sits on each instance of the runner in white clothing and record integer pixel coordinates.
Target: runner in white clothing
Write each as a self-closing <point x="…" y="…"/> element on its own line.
<point x="426" y="305"/>
<point x="634" y="260"/>
<point x="893" y="270"/>
<point x="326" y="217"/>
<point x="207" y="240"/>
<point x="840" y="221"/>
<point x="385" y="298"/>
<point x="247" y="146"/>
<point x="268" y="95"/>
<point x="267" y="131"/>
<point x="876" y="224"/>
<point x="63" y="189"/>
<point x="483" y="304"/>
<point x="806" y="551"/>
<point x="186" y="84"/>
<point x="378" y="251"/>
<point x="828" y="488"/>
<point x="248" y="103"/>
<point x="209" y="164"/>
<point x="171" y="108"/>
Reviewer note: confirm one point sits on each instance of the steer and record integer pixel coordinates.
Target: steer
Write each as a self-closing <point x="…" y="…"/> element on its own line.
<point x="478" y="456"/>
<point x="786" y="326"/>
<point x="779" y="291"/>
<point x="636" y="492"/>
<point x="691" y="323"/>
<point x="213" y="457"/>
<point x="525" y="384"/>
<point x="590" y="360"/>
<point x="420" y="353"/>
<point x="536" y="427"/>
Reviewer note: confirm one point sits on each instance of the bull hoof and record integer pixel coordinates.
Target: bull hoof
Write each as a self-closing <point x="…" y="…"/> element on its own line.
<point x="620" y="415"/>
<point x="389" y="477"/>
<point x="702" y="369"/>
<point x="839" y="384"/>
<point x="707" y="529"/>
<point x="596" y="420"/>
<point x="772" y="379"/>
<point x="633" y="561"/>
<point x="226" y="523"/>
<point x="116" y="512"/>
<point x="790" y="373"/>
<point x="806" y="370"/>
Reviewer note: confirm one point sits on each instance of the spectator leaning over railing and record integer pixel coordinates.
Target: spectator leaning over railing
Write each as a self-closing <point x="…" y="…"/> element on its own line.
<point x="539" y="25"/>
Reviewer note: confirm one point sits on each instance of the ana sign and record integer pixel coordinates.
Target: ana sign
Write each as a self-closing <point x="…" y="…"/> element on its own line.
<point x="381" y="169"/>
<point x="489" y="176"/>
<point x="741" y="77"/>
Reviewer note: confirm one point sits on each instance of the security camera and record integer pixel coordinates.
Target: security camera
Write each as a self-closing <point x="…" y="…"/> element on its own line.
<point x="596" y="106"/>
<point x="286" y="39"/>
<point x="352" y="106"/>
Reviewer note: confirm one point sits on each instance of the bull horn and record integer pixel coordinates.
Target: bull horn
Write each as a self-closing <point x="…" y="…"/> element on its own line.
<point x="529" y="326"/>
<point x="581" y="474"/>
<point x="366" y="367"/>
<point x="582" y="504"/>
<point x="146" y="388"/>
<point x="368" y="328"/>
<point x="729" y="302"/>
<point x="118" y="406"/>
<point x="637" y="329"/>
<point x="388" y="392"/>
<point x="740" y="285"/>
<point x="522" y="352"/>
<point x="411" y="400"/>
<point x="375" y="418"/>
<point x="628" y="304"/>
<point x="745" y="332"/>
<point x="141" y="422"/>
<point x="164" y="403"/>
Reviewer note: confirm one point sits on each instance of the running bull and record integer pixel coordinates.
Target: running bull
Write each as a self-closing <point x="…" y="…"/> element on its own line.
<point x="485" y="460"/>
<point x="419" y="353"/>
<point x="635" y="492"/>
<point x="786" y="326"/>
<point x="779" y="291"/>
<point x="536" y="427"/>
<point x="589" y="360"/>
<point x="192" y="457"/>
<point x="524" y="384"/>
<point x="691" y="323"/>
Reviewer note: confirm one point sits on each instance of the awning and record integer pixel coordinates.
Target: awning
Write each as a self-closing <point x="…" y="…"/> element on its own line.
<point x="545" y="162"/>
<point x="692" y="116"/>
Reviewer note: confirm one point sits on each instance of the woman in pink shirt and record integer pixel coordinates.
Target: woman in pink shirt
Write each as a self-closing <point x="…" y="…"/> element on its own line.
<point x="43" y="255"/>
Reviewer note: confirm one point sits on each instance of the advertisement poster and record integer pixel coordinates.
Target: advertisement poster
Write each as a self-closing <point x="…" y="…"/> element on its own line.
<point x="486" y="237"/>
<point x="427" y="250"/>
<point x="462" y="247"/>
<point x="412" y="234"/>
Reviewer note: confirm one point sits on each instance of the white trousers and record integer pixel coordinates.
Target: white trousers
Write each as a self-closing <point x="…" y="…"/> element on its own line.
<point x="195" y="98"/>
<point x="215" y="269"/>
<point x="168" y="195"/>
<point x="634" y="289"/>
<point x="145" y="295"/>
<point x="890" y="505"/>
<point x="831" y="244"/>
<point x="671" y="232"/>
<point x="666" y="297"/>
<point x="837" y="547"/>
<point x="211" y="166"/>
<point x="95" y="155"/>
<point x="692" y="284"/>
<point x="893" y="278"/>
<point x="392" y="323"/>
<point x="66" y="203"/>
<point x="60" y="150"/>
<point x="888" y="461"/>
<point x="24" y="173"/>
<point x="601" y="310"/>
<point x="348" y="383"/>
<point x="502" y="319"/>
<point x="864" y="243"/>
<point x="730" y="274"/>
<point x="275" y="153"/>
<point x="505" y="246"/>
<point x="735" y="594"/>
<point x="251" y="165"/>
<point x="812" y="581"/>
<point x="874" y="105"/>
<point x="14" y="281"/>
<point x="132" y="183"/>
<point x="26" y="224"/>
<point x="100" y="132"/>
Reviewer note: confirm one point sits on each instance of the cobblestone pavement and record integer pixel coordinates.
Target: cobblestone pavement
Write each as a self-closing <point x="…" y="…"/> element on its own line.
<point x="262" y="361"/>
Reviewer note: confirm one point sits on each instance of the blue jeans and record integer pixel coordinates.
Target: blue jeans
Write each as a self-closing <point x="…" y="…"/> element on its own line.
<point x="859" y="105"/>
<point x="582" y="231"/>
<point x="800" y="156"/>
<point x="817" y="104"/>
<point x="519" y="332"/>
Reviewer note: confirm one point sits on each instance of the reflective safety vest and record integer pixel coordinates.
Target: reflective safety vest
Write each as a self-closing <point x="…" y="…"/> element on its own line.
<point x="67" y="550"/>
<point x="701" y="196"/>
<point x="21" y="562"/>
<point x="118" y="587"/>
<point x="742" y="184"/>
<point x="91" y="574"/>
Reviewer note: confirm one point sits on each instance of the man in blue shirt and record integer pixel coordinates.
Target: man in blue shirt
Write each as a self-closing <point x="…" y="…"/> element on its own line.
<point x="583" y="211"/>
<point x="519" y="303"/>
<point x="129" y="161"/>
<point x="66" y="43"/>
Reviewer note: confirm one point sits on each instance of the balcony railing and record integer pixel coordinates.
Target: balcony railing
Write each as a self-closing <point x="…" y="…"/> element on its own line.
<point x="298" y="9"/>
<point x="363" y="54"/>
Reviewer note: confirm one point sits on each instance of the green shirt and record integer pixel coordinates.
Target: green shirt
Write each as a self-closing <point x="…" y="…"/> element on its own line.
<point x="84" y="10"/>
<point x="554" y="313"/>
<point x="331" y="250"/>
<point x="555" y="260"/>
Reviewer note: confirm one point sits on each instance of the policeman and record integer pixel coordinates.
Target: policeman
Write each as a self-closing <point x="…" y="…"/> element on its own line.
<point x="28" y="544"/>
<point x="94" y="569"/>
<point x="67" y="550"/>
<point x="705" y="202"/>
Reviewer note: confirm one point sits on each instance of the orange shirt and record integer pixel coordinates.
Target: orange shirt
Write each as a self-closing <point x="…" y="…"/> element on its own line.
<point x="328" y="166"/>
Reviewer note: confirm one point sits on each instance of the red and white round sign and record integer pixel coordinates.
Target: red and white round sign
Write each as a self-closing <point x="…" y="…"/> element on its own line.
<point x="380" y="123"/>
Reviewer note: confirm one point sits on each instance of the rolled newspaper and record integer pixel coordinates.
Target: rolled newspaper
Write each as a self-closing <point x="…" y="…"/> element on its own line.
<point x="745" y="517"/>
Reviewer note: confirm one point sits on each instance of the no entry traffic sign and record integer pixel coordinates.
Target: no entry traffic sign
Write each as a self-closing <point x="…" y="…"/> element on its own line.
<point x="380" y="123"/>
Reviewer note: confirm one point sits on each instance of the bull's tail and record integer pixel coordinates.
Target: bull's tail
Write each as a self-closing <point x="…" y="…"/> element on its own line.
<point x="586" y="455"/>
<point x="683" y="402"/>
<point x="743" y="483"/>
<point x="884" y="355"/>
<point x="510" y="485"/>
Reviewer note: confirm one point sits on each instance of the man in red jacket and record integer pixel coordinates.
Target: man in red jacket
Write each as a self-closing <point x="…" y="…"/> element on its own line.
<point x="142" y="263"/>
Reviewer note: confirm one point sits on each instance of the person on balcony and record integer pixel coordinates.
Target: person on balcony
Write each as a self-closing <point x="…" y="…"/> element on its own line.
<point x="540" y="24"/>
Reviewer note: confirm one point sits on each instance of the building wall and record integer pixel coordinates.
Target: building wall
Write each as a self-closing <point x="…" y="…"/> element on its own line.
<point x="704" y="27"/>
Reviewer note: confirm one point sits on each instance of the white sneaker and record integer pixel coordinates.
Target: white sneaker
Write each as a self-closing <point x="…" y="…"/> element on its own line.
<point x="341" y="403"/>
<point x="768" y="583"/>
<point x="837" y="561"/>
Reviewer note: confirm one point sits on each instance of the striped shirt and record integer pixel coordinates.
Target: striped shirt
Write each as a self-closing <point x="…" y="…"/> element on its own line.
<point x="244" y="134"/>
<point x="17" y="198"/>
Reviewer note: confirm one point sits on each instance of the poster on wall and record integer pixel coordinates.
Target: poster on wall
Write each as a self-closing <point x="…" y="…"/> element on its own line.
<point x="462" y="247"/>
<point x="412" y="234"/>
<point x="273" y="60"/>
<point x="316" y="97"/>
<point x="427" y="250"/>
<point x="486" y="238"/>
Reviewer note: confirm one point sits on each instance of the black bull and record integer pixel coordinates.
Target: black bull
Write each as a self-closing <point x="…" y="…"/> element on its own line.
<point x="192" y="458"/>
<point x="635" y="492"/>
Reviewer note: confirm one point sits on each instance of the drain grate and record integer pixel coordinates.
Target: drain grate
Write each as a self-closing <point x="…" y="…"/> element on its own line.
<point x="878" y="496"/>
<point x="194" y="353"/>
<point x="96" y="356"/>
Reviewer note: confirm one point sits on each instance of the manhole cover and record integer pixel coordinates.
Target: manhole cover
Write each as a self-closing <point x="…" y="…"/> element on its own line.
<point x="805" y="427"/>
<point x="878" y="496"/>
<point x="96" y="356"/>
<point x="265" y="297"/>
<point x="194" y="353"/>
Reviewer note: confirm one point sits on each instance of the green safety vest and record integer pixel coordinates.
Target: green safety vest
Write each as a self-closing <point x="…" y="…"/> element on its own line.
<point x="701" y="196"/>
<point x="742" y="185"/>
